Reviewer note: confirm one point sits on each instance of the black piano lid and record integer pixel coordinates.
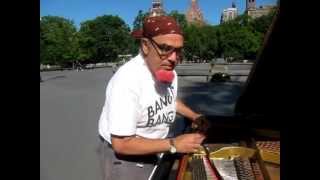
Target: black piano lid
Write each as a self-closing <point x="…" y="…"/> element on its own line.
<point x="260" y="95"/>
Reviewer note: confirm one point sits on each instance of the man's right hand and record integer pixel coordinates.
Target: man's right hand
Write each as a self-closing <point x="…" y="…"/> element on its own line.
<point x="188" y="143"/>
<point x="200" y="124"/>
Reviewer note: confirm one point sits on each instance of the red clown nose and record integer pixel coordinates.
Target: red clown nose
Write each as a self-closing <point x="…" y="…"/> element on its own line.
<point x="164" y="76"/>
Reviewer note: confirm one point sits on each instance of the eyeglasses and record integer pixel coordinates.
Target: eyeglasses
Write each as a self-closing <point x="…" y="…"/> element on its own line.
<point x="164" y="50"/>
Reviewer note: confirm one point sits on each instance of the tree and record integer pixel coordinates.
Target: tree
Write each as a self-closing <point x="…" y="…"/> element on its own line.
<point x="192" y="43"/>
<point x="180" y="18"/>
<point x="138" y="21"/>
<point x="58" y="44"/>
<point x="201" y="42"/>
<point x="104" y="38"/>
<point x="209" y="42"/>
<point x="242" y="37"/>
<point x="262" y="24"/>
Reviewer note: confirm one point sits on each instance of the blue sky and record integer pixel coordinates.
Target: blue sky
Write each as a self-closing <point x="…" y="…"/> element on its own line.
<point x="82" y="10"/>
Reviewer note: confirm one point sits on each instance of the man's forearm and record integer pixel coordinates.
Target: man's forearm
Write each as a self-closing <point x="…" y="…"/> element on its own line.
<point x="139" y="145"/>
<point x="185" y="143"/>
<point x="185" y="111"/>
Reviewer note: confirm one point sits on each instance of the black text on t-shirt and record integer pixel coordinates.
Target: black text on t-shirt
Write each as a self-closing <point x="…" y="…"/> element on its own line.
<point x="154" y="115"/>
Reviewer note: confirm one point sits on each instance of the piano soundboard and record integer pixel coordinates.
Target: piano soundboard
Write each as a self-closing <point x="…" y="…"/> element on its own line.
<point x="232" y="161"/>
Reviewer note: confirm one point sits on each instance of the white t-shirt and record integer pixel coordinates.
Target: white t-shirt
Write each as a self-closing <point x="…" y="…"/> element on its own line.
<point x="136" y="104"/>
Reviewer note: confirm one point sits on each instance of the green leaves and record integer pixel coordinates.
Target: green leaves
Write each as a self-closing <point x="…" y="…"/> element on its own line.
<point x="200" y="42"/>
<point x="236" y="39"/>
<point x="138" y="21"/>
<point x="99" y="40"/>
<point x="105" y="37"/>
<point x="58" y="44"/>
<point x="180" y="18"/>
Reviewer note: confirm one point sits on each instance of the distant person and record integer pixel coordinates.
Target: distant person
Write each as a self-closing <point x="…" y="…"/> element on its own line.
<point x="212" y="63"/>
<point x="78" y="66"/>
<point x="141" y="104"/>
<point x="114" y="67"/>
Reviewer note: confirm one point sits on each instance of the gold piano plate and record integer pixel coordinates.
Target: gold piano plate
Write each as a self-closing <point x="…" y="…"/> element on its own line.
<point x="269" y="156"/>
<point x="233" y="152"/>
<point x="269" y="151"/>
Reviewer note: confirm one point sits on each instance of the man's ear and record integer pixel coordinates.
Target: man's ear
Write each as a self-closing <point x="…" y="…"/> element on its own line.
<point x="144" y="45"/>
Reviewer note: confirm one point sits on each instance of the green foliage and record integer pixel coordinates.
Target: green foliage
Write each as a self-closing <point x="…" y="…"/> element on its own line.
<point x="237" y="41"/>
<point x="180" y="18"/>
<point x="192" y="43"/>
<point x="138" y="21"/>
<point x="242" y="37"/>
<point x="200" y="43"/>
<point x="262" y="23"/>
<point x="104" y="38"/>
<point x="58" y="41"/>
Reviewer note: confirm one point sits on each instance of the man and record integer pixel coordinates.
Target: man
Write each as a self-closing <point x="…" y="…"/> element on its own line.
<point x="141" y="103"/>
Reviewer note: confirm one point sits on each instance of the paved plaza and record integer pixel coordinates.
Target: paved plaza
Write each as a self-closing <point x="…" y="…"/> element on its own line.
<point x="70" y="106"/>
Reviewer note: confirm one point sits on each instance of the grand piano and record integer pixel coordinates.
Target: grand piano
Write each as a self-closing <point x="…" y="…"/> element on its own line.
<point x="245" y="145"/>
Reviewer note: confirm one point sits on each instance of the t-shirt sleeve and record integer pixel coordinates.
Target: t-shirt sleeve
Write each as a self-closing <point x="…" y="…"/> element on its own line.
<point x="122" y="108"/>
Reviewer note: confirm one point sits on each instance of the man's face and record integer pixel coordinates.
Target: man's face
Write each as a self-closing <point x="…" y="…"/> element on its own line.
<point x="164" y="52"/>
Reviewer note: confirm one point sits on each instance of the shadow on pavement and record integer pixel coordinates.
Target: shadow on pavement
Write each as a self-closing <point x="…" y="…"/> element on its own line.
<point x="208" y="99"/>
<point x="211" y="97"/>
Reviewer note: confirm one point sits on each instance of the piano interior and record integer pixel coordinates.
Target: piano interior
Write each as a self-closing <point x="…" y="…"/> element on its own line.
<point x="249" y="159"/>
